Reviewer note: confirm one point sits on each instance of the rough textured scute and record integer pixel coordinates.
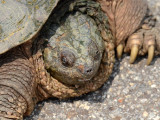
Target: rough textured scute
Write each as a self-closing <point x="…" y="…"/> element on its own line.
<point x="21" y="20"/>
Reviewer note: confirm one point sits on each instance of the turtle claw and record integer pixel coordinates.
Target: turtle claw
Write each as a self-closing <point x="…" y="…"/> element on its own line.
<point x="141" y="43"/>
<point x="119" y="51"/>
<point x="134" y="53"/>
<point x="134" y="45"/>
<point x="151" y="50"/>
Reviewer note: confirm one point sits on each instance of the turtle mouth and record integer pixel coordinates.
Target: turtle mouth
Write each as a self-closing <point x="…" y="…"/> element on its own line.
<point x="84" y="80"/>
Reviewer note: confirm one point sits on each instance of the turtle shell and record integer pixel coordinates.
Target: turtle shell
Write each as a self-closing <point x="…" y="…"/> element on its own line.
<point x="20" y="20"/>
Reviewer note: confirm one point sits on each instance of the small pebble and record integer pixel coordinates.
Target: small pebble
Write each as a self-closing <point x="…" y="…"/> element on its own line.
<point x="145" y="114"/>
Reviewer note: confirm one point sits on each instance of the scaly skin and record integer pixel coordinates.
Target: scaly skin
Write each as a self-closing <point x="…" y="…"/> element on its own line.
<point x="17" y="85"/>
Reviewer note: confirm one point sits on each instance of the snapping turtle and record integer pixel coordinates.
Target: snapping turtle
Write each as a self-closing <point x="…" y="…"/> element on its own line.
<point x="73" y="54"/>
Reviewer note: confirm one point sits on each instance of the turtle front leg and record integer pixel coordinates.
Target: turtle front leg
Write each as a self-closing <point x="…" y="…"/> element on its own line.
<point x="17" y="85"/>
<point x="132" y="26"/>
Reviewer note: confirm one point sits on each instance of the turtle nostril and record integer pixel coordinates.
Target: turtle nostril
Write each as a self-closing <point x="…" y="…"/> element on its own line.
<point x="85" y="70"/>
<point x="89" y="70"/>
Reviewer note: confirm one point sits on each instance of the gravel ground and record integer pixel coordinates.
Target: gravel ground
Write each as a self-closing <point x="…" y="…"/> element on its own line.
<point x="132" y="93"/>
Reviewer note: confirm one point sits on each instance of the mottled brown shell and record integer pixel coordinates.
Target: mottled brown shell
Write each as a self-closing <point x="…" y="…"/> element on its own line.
<point x="20" y="20"/>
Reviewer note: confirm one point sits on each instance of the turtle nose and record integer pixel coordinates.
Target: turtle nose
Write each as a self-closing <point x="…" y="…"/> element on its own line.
<point x="88" y="71"/>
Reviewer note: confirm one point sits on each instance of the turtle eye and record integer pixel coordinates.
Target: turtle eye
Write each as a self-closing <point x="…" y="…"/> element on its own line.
<point x="67" y="58"/>
<point x="97" y="55"/>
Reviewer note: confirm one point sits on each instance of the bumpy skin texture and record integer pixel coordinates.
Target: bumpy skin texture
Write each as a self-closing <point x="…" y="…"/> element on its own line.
<point x="76" y="49"/>
<point x="17" y="85"/>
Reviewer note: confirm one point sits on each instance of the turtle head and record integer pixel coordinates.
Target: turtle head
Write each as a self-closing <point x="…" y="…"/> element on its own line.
<point x="73" y="54"/>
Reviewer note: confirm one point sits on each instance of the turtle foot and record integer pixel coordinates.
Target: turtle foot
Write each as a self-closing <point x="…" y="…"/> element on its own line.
<point x="141" y="43"/>
<point x="144" y="40"/>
